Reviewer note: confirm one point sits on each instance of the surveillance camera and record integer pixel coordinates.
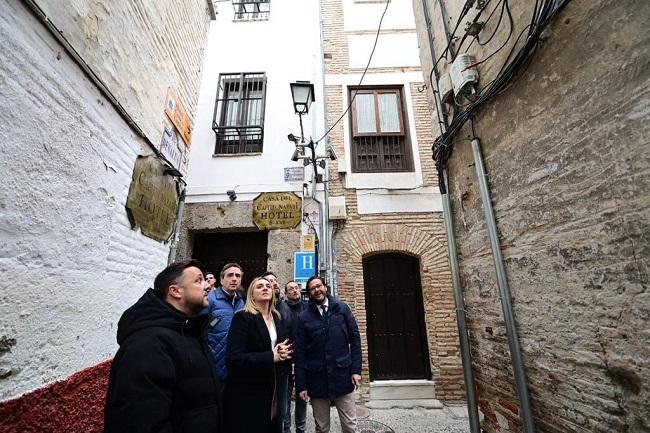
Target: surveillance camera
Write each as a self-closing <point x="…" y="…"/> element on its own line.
<point x="331" y="153"/>
<point x="293" y="138"/>
<point x="296" y="154"/>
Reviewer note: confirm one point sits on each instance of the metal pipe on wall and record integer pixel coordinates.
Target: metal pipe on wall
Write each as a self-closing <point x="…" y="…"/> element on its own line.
<point x="504" y="292"/>
<point x="177" y="227"/>
<point x="461" y="321"/>
<point x="463" y="336"/>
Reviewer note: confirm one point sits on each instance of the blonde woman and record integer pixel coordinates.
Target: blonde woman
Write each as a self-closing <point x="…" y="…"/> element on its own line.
<point x="257" y="354"/>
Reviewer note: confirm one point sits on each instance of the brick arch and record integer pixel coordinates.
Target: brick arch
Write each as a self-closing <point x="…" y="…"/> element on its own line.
<point x="365" y="240"/>
<point x="356" y="243"/>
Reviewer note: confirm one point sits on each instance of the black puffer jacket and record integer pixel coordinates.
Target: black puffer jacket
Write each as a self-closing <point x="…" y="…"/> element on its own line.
<point x="163" y="378"/>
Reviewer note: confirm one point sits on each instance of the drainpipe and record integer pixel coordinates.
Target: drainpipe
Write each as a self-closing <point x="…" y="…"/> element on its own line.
<point x="327" y="228"/>
<point x="177" y="228"/>
<point x="504" y="292"/>
<point x="463" y="336"/>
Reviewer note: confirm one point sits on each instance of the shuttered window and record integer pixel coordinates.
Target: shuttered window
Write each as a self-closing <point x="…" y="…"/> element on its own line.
<point x="239" y="113"/>
<point x="380" y="142"/>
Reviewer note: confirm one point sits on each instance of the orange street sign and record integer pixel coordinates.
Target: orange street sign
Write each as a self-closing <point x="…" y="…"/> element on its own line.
<point x="177" y="114"/>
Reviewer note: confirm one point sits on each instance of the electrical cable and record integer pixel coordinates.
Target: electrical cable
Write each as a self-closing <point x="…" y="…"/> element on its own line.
<point x="453" y="33"/>
<point x="496" y="27"/>
<point x="509" y="72"/>
<point x="362" y="76"/>
<point x="505" y="3"/>
<point x="474" y="21"/>
<point x="475" y="38"/>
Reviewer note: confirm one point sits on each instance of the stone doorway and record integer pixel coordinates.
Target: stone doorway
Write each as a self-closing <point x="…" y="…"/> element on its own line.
<point x="249" y="249"/>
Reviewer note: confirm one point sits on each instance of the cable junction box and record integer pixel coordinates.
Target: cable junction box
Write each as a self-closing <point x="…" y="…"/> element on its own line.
<point x="463" y="75"/>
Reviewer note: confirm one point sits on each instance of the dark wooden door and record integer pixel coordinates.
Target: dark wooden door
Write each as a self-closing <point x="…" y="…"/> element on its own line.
<point x="249" y="249"/>
<point x="397" y="344"/>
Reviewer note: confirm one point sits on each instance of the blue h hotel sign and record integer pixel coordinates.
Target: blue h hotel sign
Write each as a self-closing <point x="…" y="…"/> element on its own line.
<point x="304" y="266"/>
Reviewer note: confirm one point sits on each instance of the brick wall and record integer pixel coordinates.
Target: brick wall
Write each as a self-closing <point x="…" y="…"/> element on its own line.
<point x="568" y="161"/>
<point x="416" y="234"/>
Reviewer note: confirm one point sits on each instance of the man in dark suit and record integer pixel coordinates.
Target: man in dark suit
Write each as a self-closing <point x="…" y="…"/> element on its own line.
<point x="328" y="357"/>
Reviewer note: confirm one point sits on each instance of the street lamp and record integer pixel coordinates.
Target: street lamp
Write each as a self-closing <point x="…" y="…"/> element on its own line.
<point x="302" y="93"/>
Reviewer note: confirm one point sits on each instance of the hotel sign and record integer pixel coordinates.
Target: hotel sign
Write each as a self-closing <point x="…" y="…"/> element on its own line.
<point x="277" y="210"/>
<point x="152" y="200"/>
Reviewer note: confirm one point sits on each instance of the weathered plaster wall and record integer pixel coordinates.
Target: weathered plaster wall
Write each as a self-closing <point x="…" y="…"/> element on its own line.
<point x="69" y="261"/>
<point x="568" y="160"/>
<point x="139" y="49"/>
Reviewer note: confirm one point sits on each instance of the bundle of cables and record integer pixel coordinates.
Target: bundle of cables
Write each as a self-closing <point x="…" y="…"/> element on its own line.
<point x="513" y="67"/>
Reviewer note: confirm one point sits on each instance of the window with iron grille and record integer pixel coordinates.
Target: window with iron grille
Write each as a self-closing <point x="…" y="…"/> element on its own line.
<point x="380" y="142"/>
<point x="239" y="113"/>
<point x="252" y="9"/>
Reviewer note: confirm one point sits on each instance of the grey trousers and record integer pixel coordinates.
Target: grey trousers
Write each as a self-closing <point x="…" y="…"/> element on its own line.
<point x="345" y="407"/>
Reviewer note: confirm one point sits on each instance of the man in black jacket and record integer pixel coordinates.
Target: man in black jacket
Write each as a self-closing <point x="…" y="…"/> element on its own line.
<point x="163" y="378"/>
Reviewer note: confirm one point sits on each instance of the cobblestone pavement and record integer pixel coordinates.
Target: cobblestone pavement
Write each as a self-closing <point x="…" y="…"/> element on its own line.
<point x="417" y="420"/>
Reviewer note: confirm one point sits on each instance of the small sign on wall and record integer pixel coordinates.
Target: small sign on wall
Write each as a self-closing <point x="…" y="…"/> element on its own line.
<point x="307" y="242"/>
<point x="294" y="174"/>
<point x="304" y="266"/>
<point x="172" y="147"/>
<point x="152" y="200"/>
<point x="311" y="224"/>
<point x="178" y="115"/>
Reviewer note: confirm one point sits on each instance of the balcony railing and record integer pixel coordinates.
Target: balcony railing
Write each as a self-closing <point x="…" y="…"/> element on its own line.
<point x="252" y="9"/>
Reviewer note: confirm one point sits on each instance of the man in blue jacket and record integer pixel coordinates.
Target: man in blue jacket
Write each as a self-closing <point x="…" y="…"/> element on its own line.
<point x="328" y="357"/>
<point x="223" y="303"/>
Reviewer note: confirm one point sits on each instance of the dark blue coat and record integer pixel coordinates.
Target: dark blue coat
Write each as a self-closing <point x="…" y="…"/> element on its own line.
<point x="327" y="351"/>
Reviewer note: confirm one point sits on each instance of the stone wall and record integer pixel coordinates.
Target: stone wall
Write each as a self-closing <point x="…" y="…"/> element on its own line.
<point x="568" y="162"/>
<point x="224" y="217"/>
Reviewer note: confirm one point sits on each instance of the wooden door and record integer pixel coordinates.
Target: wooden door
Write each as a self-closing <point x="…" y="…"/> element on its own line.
<point x="397" y="345"/>
<point x="249" y="249"/>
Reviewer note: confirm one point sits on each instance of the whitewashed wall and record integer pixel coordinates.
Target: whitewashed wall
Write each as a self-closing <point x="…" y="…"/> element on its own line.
<point x="363" y="15"/>
<point x="287" y="48"/>
<point x="139" y="48"/>
<point x="69" y="262"/>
